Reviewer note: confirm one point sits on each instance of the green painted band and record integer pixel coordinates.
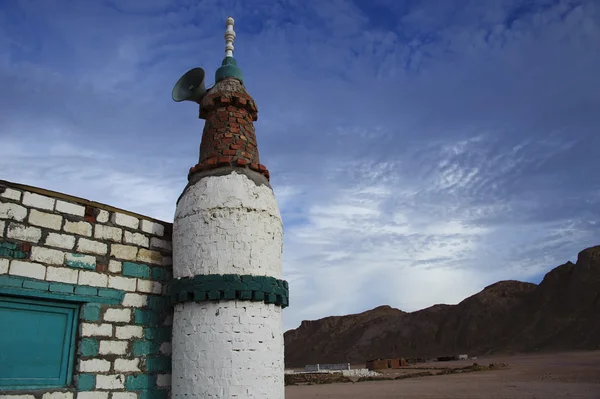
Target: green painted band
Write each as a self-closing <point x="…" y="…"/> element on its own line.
<point x="215" y="287"/>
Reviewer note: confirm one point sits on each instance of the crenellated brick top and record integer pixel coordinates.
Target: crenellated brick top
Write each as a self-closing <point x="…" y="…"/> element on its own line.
<point x="229" y="138"/>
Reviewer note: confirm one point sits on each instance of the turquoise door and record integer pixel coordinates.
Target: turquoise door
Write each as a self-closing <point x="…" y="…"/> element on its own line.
<point x="37" y="342"/>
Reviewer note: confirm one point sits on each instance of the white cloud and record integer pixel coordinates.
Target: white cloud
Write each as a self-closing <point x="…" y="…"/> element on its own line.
<point x="417" y="153"/>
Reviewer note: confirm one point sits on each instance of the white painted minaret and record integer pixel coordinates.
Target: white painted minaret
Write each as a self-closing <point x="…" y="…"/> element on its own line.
<point x="227" y="247"/>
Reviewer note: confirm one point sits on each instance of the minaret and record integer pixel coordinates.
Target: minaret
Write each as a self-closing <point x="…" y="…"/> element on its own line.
<point x="227" y="247"/>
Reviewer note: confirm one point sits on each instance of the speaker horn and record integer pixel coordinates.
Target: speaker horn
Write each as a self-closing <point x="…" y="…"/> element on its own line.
<point x="190" y="87"/>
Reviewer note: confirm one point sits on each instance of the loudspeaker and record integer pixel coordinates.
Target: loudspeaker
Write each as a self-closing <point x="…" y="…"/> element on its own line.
<point x="190" y="87"/>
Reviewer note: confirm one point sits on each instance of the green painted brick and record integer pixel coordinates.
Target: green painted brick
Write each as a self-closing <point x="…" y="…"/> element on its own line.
<point x="8" y="245"/>
<point x="9" y="281"/>
<point x="141" y="348"/>
<point x="131" y="269"/>
<point x="158" y="303"/>
<point x="160" y="334"/>
<point x="89" y="347"/>
<point x="154" y="394"/>
<point x="91" y="311"/>
<point x="140" y="382"/>
<point x="84" y="290"/>
<point x="77" y="261"/>
<point x="159" y="273"/>
<point x="86" y="382"/>
<point x="36" y="285"/>
<point x="110" y="293"/>
<point x="158" y="364"/>
<point x="146" y="317"/>
<point x="61" y="287"/>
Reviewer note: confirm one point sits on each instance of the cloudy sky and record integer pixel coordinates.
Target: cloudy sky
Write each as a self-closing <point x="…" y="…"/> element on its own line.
<point x="419" y="150"/>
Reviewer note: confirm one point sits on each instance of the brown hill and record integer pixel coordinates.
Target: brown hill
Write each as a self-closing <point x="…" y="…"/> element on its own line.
<point x="562" y="312"/>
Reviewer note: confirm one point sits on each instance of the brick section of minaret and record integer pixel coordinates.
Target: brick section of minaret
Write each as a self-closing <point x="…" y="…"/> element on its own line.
<point x="228" y="138"/>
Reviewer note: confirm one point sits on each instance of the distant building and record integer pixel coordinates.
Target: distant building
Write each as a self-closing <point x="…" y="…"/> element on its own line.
<point x="380" y="364"/>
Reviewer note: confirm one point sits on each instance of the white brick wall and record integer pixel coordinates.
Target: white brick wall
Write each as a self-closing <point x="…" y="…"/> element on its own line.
<point x="4" y="265"/>
<point x="113" y="347"/>
<point x="48" y="256"/>
<point x="127" y="365"/>
<point x="38" y="201"/>
<point x="158" y="243"/>
<point x="58" y="395"/>
<point x="2" y="224"/>
<point x="149" y="287"/>
<point x="12" y="211"/>
<point x="92" y="278"/>
<point x="92" y="395"/>
<point x="128" y="332"/>
<point x="62" y="274"/>
<point x="27" y="269"/>
<point x="91" y="247"/>
<point x="122" y="283"/>
<point x="94" y="366"/>
<point x="44" y="219"/>
<point x="23" y="233"/>
<point x="125" y="220"/>
<point x="125" y="252"/>
<point x="116" y="381"/>
<point x="152" y="228"/>
<point x="60" y="241"/>
<point x="79" y="228"/>
<point x="70" y="208"/>
<point x="124" y="395"/>
<point x="136" y="239"/>
<point x="118" y="315"/>
<point x="108" y="233"/>
<point x="135" y="300"/>
<point x="114" y="266"/>
<point x="96" y="330"/>
<point x="9" y="193"/>
<point x="103" y="216"/>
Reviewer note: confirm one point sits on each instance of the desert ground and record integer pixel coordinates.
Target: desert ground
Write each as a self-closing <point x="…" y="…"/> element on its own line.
<point x="541" y="376"/>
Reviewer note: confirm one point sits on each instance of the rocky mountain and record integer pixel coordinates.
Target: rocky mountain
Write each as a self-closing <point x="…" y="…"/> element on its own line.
<point x="562" y="312"/>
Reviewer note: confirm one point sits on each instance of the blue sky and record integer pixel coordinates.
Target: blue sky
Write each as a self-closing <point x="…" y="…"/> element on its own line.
<point x="419" y="150"/>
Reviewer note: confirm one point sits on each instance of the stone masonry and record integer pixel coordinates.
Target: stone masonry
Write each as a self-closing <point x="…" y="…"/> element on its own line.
<point x="119" y="263"/>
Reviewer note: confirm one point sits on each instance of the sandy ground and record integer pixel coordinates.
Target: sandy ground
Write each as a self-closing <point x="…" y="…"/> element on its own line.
<point x="541" y="376"/>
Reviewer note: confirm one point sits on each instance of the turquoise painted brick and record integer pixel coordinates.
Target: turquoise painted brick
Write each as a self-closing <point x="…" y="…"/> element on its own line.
<point x="110" y="293"/>
<point x="141" y="348"/>
<point x="8" y="245"/>
<point x="154" y="394"/>
<point x="159" y="273"/>
<point x="158" y="364"/>
<point x="158" y="303"/>
<point x="160" y="334"/>
<point x="131" y="269"/>
<point x="61" y="287"/>
<point x="89" y="347"/>
<point x="146" y="317"/>
<point x="9" y="281"/>
<point x="84" y="290"/>
<point x="36" y="285"/>
<point x="91" y="311"/>
<point x="77" y="261"/>
<point x="140" y="382"/>
<point x="86" y="382"/>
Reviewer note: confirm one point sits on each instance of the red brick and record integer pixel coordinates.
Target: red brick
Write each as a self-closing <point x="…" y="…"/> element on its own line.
<point x="262" y="167"/>
<point x="211" y="161"/>
<point x="225" y="100"/>
<point x="242" y="101"/>
<point x="224" y="160"/>
<point x="100" y="267"/>
<point x="229" y="152"/>
<point x="242" y="162"/>
<point x="235" y="147"/>
<point x="254" y="166"/>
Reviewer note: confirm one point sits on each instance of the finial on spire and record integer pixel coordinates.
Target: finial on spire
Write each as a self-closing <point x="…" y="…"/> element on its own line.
<point x="229" y="68"/>
<point x="229" y="37"/>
